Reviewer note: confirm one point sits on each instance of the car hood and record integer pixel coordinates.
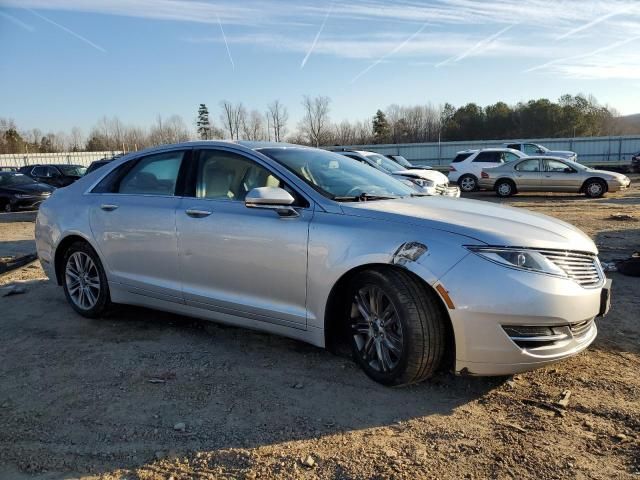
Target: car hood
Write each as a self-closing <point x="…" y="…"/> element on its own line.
<point x="487" y="222"/>
<point x="605" y="173"/>
<point x="560" y="153"/>
<point x="433" y="175"/>
<point x="29" y="188"/>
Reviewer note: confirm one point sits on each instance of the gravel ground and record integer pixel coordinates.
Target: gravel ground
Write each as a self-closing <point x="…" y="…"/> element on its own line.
<point x="147" y="395"/>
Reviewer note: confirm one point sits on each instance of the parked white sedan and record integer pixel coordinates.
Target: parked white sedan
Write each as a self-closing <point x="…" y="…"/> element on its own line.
<point x="467" y="166"/>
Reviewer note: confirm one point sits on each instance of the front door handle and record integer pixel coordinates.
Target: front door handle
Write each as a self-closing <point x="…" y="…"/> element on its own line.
<point x="108" y="207"/>
<point x="196" y="213"/>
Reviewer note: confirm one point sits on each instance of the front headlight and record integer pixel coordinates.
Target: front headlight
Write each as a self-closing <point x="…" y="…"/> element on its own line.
<point x="519" y="258"/>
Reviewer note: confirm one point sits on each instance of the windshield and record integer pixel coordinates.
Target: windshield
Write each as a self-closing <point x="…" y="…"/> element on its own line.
<point x="400" y="160"/>
<point x="7" y="179"/>
<point x="544" y="149"/>
<point x="336" y="176"/>
<point x="383" y="162"/>
<point x="73" y="170"/>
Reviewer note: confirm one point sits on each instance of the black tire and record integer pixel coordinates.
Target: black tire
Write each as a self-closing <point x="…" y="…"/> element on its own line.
<point x="103" y="300"/>
<point x="6" y="206"/>
<point x="468" y="183"/>
<point x="505" y="188"/>
<point x="595" y="188"/>
<point x="422" y="327"/>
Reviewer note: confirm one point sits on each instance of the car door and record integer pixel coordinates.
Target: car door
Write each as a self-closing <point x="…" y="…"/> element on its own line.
<point x="247" y="262"/>
<point x="41" y="174"/>
<point x="560" y="177"/>
<point x="132" y="218"/>
<point x="528" y="174"/>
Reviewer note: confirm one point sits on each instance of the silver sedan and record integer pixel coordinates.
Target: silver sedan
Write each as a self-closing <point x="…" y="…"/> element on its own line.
<point x="545" y="174"/>
<point x="318" y="247"/>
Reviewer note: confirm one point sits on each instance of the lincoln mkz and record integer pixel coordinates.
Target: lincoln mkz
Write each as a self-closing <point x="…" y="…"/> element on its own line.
<point x="316" y="246"/>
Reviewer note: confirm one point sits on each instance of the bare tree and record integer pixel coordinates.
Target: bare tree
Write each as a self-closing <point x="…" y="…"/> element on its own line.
<point x="233" y="118"/>
<point x="76" y="139"/>
<point x="278" y="117"/>
<point x="315" y="122"/>
<point x="253" y="126"/>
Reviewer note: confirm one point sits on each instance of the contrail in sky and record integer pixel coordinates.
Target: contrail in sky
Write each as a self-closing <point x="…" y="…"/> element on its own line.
<point x="233" y="65"/>
<point x="315" y="40"/>
<point x="69" y="31"/>
<point x="482" y="43"/>
<point x="389" y="54"/>
<point x="18" y="22"/>
<point x="598" y="20"/>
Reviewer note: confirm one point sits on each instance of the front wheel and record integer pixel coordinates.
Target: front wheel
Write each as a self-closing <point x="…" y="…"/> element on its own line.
<point x="595" y="188"/>
<point x="397" y="327"/>
<point x="84" y="281"/>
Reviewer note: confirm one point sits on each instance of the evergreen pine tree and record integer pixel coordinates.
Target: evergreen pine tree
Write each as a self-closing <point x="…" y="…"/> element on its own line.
<point x="203" y="124"/>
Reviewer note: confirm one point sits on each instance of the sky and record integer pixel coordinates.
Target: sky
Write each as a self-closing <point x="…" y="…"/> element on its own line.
<point x="67" y="63"/>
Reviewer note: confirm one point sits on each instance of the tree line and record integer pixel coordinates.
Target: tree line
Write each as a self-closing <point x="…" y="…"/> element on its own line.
<point x="570" y="116"/>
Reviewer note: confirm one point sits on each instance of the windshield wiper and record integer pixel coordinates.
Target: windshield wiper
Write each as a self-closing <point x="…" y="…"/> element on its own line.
<point x="418" y="194"/>
<point x="364" y="197"/>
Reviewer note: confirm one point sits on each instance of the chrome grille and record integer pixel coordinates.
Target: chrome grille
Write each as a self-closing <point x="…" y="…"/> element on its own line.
<point x="583" y="268"/>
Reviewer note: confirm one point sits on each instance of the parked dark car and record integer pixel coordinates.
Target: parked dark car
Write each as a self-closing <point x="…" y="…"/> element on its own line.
<point x="8" y="169"/>
<point x="95" y="165"/>
<point x="20" y="192"/>
<point x="635" y="163"/>
<point x="59" y="175"/>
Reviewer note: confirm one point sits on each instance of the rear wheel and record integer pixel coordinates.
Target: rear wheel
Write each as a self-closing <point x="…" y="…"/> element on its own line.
<point x="6" y="207"/>
<point x="505" y="188"/>
<point x="397" y="327"/>
<point x="84" y="281"/>
<point x="595" y="188"/>
<point x="468" y="183"/>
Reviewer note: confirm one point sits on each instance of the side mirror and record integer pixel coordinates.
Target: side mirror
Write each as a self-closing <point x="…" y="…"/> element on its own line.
<point x="271" y="198"/>
<point x="568" y="170"/>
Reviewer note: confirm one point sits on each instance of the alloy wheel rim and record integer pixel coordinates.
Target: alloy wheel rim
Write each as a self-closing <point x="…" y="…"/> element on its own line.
<point x="504" y="189"/>
<point x="83" y="280"/>
<point x="376" y="329"/>
<point x="468" y="184"/>
<point x="595" y="188"/>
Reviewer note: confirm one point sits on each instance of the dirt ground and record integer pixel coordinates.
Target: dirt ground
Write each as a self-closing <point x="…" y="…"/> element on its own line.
<point x="148" y="395"/>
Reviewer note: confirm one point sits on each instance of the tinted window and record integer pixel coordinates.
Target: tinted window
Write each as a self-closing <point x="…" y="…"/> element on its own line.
<point x="532" y="148"/>
<point x="529" y="166"/>
<point x="229" y="176"/>
<point x="153" y="175"/>
<point x="556" y="166"/>
<point x="461" y="157"/>
<point x="514" y="146"/>
<point x="489" y="157"/>
<point x="39" y="171"/>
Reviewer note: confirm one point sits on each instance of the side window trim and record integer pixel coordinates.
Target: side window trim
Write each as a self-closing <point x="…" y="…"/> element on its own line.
<point x="123" y="169"/>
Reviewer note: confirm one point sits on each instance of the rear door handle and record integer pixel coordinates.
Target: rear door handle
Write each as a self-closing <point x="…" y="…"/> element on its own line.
<point x="196" y="213"/>
<point x="108" y="207"/>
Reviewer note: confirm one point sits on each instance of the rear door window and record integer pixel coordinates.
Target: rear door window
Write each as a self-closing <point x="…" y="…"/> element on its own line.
<point x="488" y="157"/>
<point x="529" y="166"/>
<point x="461" y="157"/>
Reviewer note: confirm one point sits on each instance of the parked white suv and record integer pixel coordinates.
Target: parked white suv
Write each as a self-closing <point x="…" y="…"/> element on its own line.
<point x="466" y="168"/>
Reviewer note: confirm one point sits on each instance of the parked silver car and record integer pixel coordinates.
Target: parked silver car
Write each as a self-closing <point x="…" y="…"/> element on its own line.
<point x="534" y="149"/>
<point x="547" y="174"/>
<point x="316" y="246"/>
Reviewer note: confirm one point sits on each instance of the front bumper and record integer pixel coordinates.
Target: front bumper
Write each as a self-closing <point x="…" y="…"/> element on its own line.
<point x="616" y="186"/>
<point x="29" y="203"/>
<point x="445" y="190"/>
<point x="488" y="297"/>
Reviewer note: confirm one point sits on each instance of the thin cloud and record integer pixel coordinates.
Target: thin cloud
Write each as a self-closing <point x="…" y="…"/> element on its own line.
<point x="16" y="21"/>
<point x="592" y="23"/>
<point x="389" y="54"/>
<point x="582" y="56"/>
<point x="224" y="37"/>
<point x="315" y="40"/>
<point x="69" y="31"/>
<point x="478" y="47"/>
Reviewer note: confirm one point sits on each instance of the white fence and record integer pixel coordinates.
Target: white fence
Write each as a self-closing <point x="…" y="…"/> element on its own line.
<point x="69" y="158"/>
<point x="608" y="151"/>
